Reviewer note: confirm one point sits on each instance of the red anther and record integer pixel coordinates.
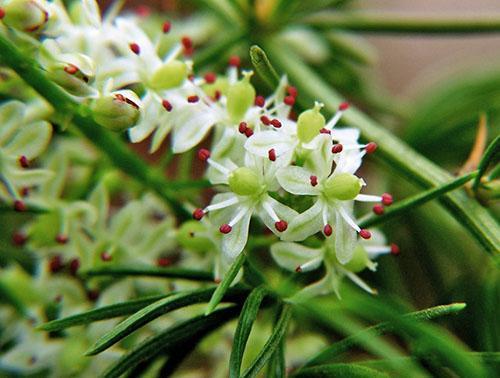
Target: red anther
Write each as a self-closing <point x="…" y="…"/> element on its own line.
<point x="58" y="298"/>
<point x="327" y="230"/>
<point x="265" y="120"/>
<point x="62" y="239"/>
<point x="337" y="148"/>
<point x="166" y="26"/>
<point x="260" y="101"/>
<point x="71" y="69"/>
<point x="167" y="105"/>
<point x="192" y="99"/>
<point x="365" y="234"/>
<point x="19" y="206"/>
<point x="344" y="106"/>
<point x="93" y="295"/>
<point x="2" y="13"/>
<point x="298" y="269"/>
<point x="105" y="256"/>
<point x="217" y="95"/>
<point x="142" y="10"/>
<point x="25" y="191"/>
<point x="276" y="123"/>
<point x="189" y="52"/>
<point x="395" y="249"/>
<point x="378" y="209"/>
<point x="163" y="261"/>
<point x="203" y="154"/>
<point x="281" y="225"/>
<point x="271" y="154"/>
<point x="210" y="77"/>
<point x="289" y="100"/>
<point x="292" y="91"/>
<point x="314" y="180"/>
<point x="74" y="265"/>
<point x="23" y="162"/>
<point x="234" y="61"/>
<point x="325" y="131"/>
<point x="242" y="127"/>
<point x="387" y="199"/>
<point x="217" y="280"/>
<point x="371" y="147"/>
<point x="225" y="228"/>
<point x="198" y="214"/>
<point x="248" y="132"/>
<point x="191" y="77"/>
<point x="56" y="264"/>
<point x="19" y="239"/>
<point x="134" y="47"/>
<point x="187" y="42"/>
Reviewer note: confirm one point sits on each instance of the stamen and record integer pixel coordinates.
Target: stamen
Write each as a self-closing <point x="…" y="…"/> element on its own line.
<point x="167" y="105"/>
<point x="365" y="234"/>
<point x="327" y="230"/>
<point x="367" y="198"/>
<point x="265" y="120"/>
<point x="62" y="239"/>
<point x="93" y="295"/>
<point x="331" y="124"/>
<point x="260" y="101"/>
<point x="166" y="27"/>
<point x="270" y="211"/>
<point x="106" y="256"/>
<point x="134" y="47"/>
<point x="344" y="106"/>
<point x="289" y="100"/>
<point x="56" y="264"/>
<point x="308" y="265"/>
<point x="2" y="13"/>
<point x="23" y="162"/>
<point x="220" y="205"/>
<point x="292" y="91"/>
<point x="19" y="239"/>
<point x="163" y="262"/>
<point x="298" y="269"/>
<point x="271" y="154"/>
<point x="74" y="265"/>
<point x="203" y="154"/>
<point x="217" y="95"/>
<point x="210" y="77"/>
<point x="281" y="225"/>
<point x="242" y="127"/>
<point x="314" y="180"/>
<point x="19" y="206"/>
<point x="325" y="131"/>
<point x="348" y="219"/>
<point x="395" y="249"/>
<point x="198" y="214"/>
<point x="193" y="99"/>
<point x="371" y="147"/>
<point x="187" y="43"/>
<point x="276" y="123"/>
<point x="358" y="281"/>
<point x="387" y="199"/>
<point x="234" y="61"/>
<point x="337" y="148"/>
<point x="71" y="69"/>
<point x="248" y="132"/>
<point x="378" y="209"/>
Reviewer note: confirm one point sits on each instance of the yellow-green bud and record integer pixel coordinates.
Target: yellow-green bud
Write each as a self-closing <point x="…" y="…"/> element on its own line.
<point x="169" y="75"/>
<point x="244" y="182"/>
<point x="73" y="72"/>
<point x="25" y="15"/>
<point x="191" y="235"/>
<point x="309" y="123"/>
<point x="342" y="186"/>
<point x="359" y="261"/>
<point x="117" y="111"/>
<point x="240" y="97"/>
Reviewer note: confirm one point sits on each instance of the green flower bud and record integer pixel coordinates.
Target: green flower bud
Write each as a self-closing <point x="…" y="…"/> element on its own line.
<point x="117" y="111"/>
<point x="26" y="15"/>
<point x="359" y="261"/>
<point x="342" y="186"/>
<point x="240" y="97"/>
<point x="73" y="72"/>
<point x="244" y="182"/>
<point x="191" y="235"/>
<point x="169" y="75"/>
<point x="309" y="123"/>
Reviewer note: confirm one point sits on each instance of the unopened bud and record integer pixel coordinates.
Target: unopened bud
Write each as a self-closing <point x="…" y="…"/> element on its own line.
<point x="73" y="72"/>
<point x="25" y="15"/>
<point x="240" y="97"/>
<point x="342" y="186"/>
<point x="309" y="123"/>
<point x="117" y="111"/>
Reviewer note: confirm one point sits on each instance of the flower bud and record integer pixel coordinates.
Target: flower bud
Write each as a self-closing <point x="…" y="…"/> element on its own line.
<point x="240" y="97"/>
<point x="26" y="15"/>
<point x="342" y="186"/>
<point x="309" y="123"/>
<point x="191" y="235"/>
<point x="117" y="111"/>
<point x="73" y="72"/>
<point x="169" y="75"/>
<point x="244" y="182"/>
<point x="359" y="261"/>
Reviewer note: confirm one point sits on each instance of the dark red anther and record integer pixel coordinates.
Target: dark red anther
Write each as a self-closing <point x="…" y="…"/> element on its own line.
<point x="314" y="180"/>
<point x="93" y="295"/>
<point x="74" y="265"/>
<point x="271" y="154"/>
<point x="134" y="47"/>
<point x="2" y="13"/>
<point x="325" y="131"/>
<point x="248" y="132"/>
<point x="365" y="234"/>
<point x="217" y="95"/>
<point x="225" y="228"/>
<point x="371" y="147"/>
<point x="387" y="199"/>
<point x="58" y="298"/>
<point x="142" y="10"/>
<point x="187" y="43"/>
<point x="106" y="256"/>
<point x="395" y="249"/>
<point x="281" y="225"/>
<point x="198" y="214"/>
<point x="163" y="262"/>
<point x="234" y="61"/>
<point x="71" y="69"/>
<point x="276" y="123"/>
<point x="19" y="238"/>
<point x="298" y="269"/>
<point x="210" y="77"/>
<point x="25" y="191"/>
<point x="166" y="26"/>
<point x="344" y="106"/>
<point x="289" y="100"/>
<point x="24" y="162"/>
<point x="56" y="264"/>
<point x="242" y="127"/>
<point x="260" y="101"/>
<point x="378" y="209"/>
<point x="217" y="280"/>
<point x="19" y="206"/>
<point x="193" y="99"/>
<point x="265" y="120"/>
<point x="337" y="148"/>
<point x="292" y="91"/>
<point x="167" y="105"/>
<point x="62" y="239"/>
<point x="203" y="154"/>
<point x="327" y="230"/>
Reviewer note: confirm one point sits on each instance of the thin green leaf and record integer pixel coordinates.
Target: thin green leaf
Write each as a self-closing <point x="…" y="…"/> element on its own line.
<point x="225" y="283"/>
<point x="490" y="156"/>
<point x="263" y="66"/>
<point x="245" y="323"/>
<point x="152" y="271"/>
<point x="416" y="200"/>
<point x="277" y="365"/>
<point x="272" y="343"/>
<point x="340" y="370"/>
<point x="151" y="312"/>
<point x="170" y="339"/>
<point x="224" y="9"/>
<point x="102" y="313"/>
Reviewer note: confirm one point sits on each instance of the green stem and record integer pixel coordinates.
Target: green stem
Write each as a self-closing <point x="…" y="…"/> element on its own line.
<point x="489" y="156"/>
<point x="403" y="24"/>
<point x="124" y="271"/>
<point x="416" y="200"/>
<point x="123" y="158"/>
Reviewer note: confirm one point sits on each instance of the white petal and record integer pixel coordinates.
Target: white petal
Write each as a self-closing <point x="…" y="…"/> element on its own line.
<point x="91" y="12"/>
<point x="345" y="135"/>
<point x="234" y="242"/>
<point x="191" y="128"/>
<point x="11" y="114"/>
<point x="260" y="143"/>
<point x="328" y="284"/>
<point x="296" y="180"/>
<point x="305" y="224"/>
<point x="29" y="177"/>
<point x="291" y="255"/>
<point x="31" y="140"/>
<point x="345" y="239"/>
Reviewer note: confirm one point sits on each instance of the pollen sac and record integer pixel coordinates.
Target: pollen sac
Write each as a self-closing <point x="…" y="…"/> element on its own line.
<point x="244" y="182"/>
<point x="117" y="111"/>
<point x="25" y="15"/>
<point x="309" y="124"/>
<point x="73" y="72"/>
<point x="342" y="186"/>
<point x="169" y="75"/>
<point x="359" y="261"/>
<point x="192" y="235"/>
<point x="240" y="97"/>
